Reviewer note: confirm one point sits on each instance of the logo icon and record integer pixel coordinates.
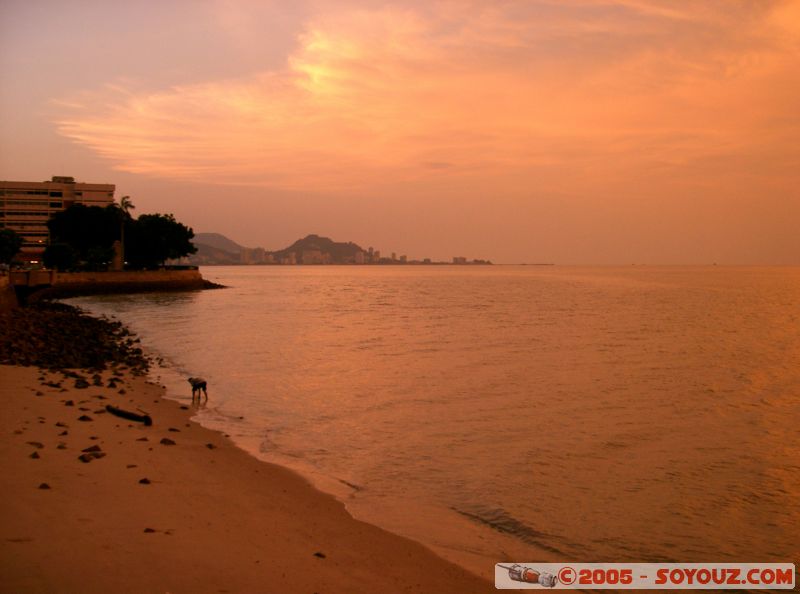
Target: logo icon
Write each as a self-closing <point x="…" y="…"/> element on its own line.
<point x="529" y="575"/>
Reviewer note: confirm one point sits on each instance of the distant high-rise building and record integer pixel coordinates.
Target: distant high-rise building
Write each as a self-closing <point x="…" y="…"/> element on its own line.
<point x="403" y="259"/>
<point x="25" y="207"/>
<point x="315" y="257"/>
<point x="459" y="260"/>
<point x="258" y="255"/>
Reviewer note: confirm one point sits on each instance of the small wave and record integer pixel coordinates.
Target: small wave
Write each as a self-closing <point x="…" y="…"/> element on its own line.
<point x="353" y="486"/>
<point x="501" y="521"/>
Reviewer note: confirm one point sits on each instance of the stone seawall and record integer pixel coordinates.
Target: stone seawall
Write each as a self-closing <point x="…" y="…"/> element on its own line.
<point x="73" y="284"/>
<point x="127" y="277"/>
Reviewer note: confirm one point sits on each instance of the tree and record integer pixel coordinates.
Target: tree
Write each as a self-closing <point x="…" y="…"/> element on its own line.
<point x="125" y="206"/>
<point x="89" y="230"/>
<point x="155" y="238"/>
<point x="10" y="244"/>
<point x="60" y="256"/>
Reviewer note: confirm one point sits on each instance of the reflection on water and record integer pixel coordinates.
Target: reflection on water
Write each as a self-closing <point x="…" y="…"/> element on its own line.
<point x="500" y="413"/>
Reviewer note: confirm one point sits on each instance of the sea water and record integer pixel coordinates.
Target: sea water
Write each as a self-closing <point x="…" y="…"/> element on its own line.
<point x="503" y="413"/>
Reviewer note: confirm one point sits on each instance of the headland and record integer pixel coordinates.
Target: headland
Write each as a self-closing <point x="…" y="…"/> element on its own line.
<point x="34" y="285"/>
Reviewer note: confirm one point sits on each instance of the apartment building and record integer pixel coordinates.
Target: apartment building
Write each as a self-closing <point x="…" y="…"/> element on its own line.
<point x="26" y="207"/>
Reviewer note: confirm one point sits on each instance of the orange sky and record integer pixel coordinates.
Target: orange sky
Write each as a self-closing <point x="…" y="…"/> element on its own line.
<point x="574" y="131"/>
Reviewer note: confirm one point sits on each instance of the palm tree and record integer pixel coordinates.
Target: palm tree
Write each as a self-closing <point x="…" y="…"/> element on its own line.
<point x="125" y="205"/>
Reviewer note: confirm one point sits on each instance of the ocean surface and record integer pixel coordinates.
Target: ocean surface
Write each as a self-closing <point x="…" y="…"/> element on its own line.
<point x="510" y="413"/>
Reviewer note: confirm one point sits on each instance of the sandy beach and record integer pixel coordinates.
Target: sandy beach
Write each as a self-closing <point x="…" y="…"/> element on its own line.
<point x="98" y="503"/>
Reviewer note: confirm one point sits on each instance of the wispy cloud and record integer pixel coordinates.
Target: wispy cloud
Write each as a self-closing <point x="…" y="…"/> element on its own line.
<point x="459" y="90"/>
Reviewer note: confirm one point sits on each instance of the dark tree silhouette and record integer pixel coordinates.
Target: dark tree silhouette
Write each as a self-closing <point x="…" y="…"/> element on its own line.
<point x="90" y="232"/>
<point x="10" y="244"/>
<point x="154" y="238"/>
<point x="60" y="256"/>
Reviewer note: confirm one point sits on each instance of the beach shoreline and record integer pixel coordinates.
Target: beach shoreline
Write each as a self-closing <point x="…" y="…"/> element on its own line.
<point x="197" y="516"/>
<point x="99" y="503"/>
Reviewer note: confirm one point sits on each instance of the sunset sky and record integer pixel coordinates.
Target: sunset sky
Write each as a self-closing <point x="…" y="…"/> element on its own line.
<point x="567" y="131"/>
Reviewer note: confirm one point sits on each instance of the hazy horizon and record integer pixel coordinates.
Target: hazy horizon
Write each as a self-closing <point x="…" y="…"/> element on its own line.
<point x="573" y="132"/>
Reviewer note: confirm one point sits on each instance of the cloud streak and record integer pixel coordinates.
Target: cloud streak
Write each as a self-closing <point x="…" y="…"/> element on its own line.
<point x="573" y="95"/>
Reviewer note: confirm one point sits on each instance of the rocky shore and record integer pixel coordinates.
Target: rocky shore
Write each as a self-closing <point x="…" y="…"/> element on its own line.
<point x="55" y="336"/>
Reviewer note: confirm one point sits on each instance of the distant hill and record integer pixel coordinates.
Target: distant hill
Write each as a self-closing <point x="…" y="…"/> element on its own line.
<point x="211" y="255"/>
<point x="338" y="252"/>
<point x="218" y="241"/>
<point x="215" y="248"/>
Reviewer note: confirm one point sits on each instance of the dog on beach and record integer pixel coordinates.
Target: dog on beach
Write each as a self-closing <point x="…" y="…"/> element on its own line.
<point x="198" y="384"/>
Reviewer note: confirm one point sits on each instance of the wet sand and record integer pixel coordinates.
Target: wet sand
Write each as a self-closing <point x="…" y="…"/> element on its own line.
<point x="172" y="507"/>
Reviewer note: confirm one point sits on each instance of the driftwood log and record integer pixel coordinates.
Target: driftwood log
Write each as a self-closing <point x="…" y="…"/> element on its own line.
<point x="131" y="416"/>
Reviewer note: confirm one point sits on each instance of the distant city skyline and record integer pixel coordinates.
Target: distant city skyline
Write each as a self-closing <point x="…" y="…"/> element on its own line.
<point x="574" y="132"/>
<point x="216" y="249"/>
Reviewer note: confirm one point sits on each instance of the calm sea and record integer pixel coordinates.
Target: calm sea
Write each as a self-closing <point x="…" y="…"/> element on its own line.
<point x="510" y="413"/>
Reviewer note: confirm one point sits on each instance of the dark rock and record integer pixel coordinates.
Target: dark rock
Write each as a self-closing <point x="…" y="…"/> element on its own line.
<point x="167" y="441"/>
<point x="45" y="333"/>
<point x="61" y="446"/>
<point x="130" y="415"/>
<point x="210" y="446"/>
<point x="35" y="444"/>
<point x="69" y="403"/>
<point x="81" y="384"/>
<point x="35" y="455"/>
<point x="320" y="555"/>
<point x="84" y="418"/>
<point x="144" y="481"/>
<point x="44" y="486"/>
<point x="148" y="530"/>
<point x="94" y="448"/>
<point x="174" y="430"/>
